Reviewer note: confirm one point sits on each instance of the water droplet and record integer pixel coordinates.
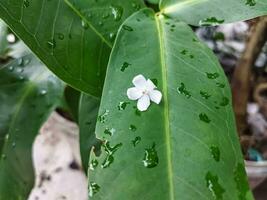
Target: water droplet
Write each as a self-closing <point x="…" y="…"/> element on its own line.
<point x="93" y="164"/>
<point x="94" y="188"/>
<point x="51" y="44"/>
<point x="203" y="117"/>
<point x="127" y="28"/>
<point x="105" y="16"/>
<point x="133" y="128"/>
<point x="122" y="105"/>
<point x="240" y="178"/>
<point x="124" y="66"/>
<point x="13" y="144"/>
<point x="112" y="36"/>
<point x="216" y="154"/>
<point x="224" y="102"/>
<point x="212" y="21"/>
<point x="100" y="23"/>
<point x="60" y="36"/>
<point x="21" y="61"/>
<point x="151" y="157"/>
<point x="220" y="85"/>
<point x="251" y="2"/>
<point x="205" y="95"/>
<point x="212" y="75"/>
<point x="136" y="6"/>
<point x="109" y="131"/>
<point x="4" y="156"/>
<point x="11" y="68"/>
<point x="43" y="92"/>
<point x="103" y="116"/>
<point x="117" y="12"/>
<point x="182" y="90"/>
<point x="136" y="141"/>
<point x="109" y="154"/>
<point x="137" y="112"/>
<point x="26" y="3"/>
<point x="85" y="24"/>
<point x="212" y="182"/>
<point x="184" y="52"/>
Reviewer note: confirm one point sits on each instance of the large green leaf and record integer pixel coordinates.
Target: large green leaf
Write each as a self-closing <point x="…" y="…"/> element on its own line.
<point x="87" y="120"/>
<point x="61" y="40"/>
<point x="28" y="94"/>
<point x="105" y="17"/>
<point x="184" y="148"/>
<point x="213" y="12"/>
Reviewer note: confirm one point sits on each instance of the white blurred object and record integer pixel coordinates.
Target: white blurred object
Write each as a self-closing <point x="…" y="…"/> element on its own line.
<point x="18" y="50"/>
<point x="234" y="30"/>
<point x="256" y="120"/>
<point x="57" y="162"/>
<point x="11" y="38"/>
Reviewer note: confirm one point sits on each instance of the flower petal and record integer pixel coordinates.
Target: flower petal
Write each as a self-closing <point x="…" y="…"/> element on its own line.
<point x="139" y="81"/>
<point x="155" y="96"/>
<point x="134" y="93"/>
<point x="143" y="103"/>
<point x="150" y="85"/>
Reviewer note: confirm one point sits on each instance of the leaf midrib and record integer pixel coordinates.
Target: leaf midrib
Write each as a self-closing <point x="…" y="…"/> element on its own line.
<point x="166" y="106"/>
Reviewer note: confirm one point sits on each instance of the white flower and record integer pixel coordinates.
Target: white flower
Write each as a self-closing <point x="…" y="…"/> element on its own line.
<point x="144" y="91"/>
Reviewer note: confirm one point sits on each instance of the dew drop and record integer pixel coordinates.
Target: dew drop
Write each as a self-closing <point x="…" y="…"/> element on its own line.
<point x="13" y="144"/>
<point x="205" y="95"/>
<point x="103" y="116"/>
<point x="60" y="36"/>
<point x="51" y="44"/>
<point x="93" y="164"/>
<point x="117" y="12"/>
<point x="127" y="28"/>
<point x="203" y="117"/>
<point x="109" y="131"/>
<point x="216" y="154"/>
<point x="151" y="159"/>
<point x="105" y="16"/>
<point x="133" y="128"/>
<point x="4" y="156"/>
<point x="94" y="188"/>
<point x="11" y="68"/>
<point x="212" y="183"/>
<point x="182" y="90"/>
<point x="124" y="66"/>
<point x="112" y="36"/>
<point x="122" y="105"/>
<point x="212" y="75"/>
<point x="212" y="21"/>
<point x="220" y="85"/>
<point x="224" y="102"/>
<point x="251" y="2"/>
<point x="26" y="3"/>
<point x="85" y="24"/>
<point x="109" y="154"/>
<point x="136" y="141"/>
<point x="43" y="92"/>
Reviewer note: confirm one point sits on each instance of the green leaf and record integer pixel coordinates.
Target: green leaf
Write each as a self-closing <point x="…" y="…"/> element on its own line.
<point x="184" y="148"/>
<point x="59" y="38"/>
<point x="87" y="120"/>
<point x="105" y="17"/>
<point x="3" y="40"/>
<point x="28" y="94"/>
<point x="215" y="12"/>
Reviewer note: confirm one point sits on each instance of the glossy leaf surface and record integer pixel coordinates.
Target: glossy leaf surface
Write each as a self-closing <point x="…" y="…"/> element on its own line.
<point x="61" y="40"/>
<point x="184" y="148"/>
<point x="105" y="17"/>
<point x="213" y="12"/>
<point x="28" y="94"/>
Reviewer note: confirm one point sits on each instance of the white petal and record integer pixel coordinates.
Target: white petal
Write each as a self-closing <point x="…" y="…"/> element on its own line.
<point x="134" y="93"/>
<point x="155" y="96"/>
<point x="150" y="85"/>
<point x="143" y="103"/>
<point x="139" y="81"/>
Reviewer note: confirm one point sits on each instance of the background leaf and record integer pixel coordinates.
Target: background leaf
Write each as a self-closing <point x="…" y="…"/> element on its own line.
<point x="28" y="94"/>
<point x="184" y="148"/>
<point x="61" y="40"/>
<point x="87" y="120"/>
<point x="105" y="17"/>
<point x="205" y="12"/>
